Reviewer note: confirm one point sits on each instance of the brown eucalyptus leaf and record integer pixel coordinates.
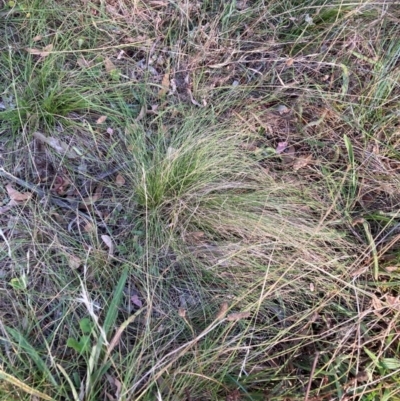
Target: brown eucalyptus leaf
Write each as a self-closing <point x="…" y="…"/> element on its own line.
<point x="17" y="196"/>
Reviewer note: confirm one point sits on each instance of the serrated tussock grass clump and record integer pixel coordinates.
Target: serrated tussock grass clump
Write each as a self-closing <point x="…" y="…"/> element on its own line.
<point x="216" y="223"/>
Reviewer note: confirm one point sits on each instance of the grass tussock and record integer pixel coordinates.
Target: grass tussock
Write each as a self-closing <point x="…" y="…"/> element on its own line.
<point x="199" y="200"/>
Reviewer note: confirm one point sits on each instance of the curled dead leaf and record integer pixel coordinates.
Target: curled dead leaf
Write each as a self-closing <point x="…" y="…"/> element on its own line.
<point x="108" y="241"/>
<point x="357" y="220"/>
<point x="17" y="196"/>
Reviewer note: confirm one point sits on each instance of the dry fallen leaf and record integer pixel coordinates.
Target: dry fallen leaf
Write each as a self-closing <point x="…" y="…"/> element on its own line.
<point x="301" y="162"/>
<point x="43" y="52"/>
<point x="197" y="235"/>
<point x="141" y="114"/>
<point x="59" y="146"/>
<point x="164" y="86"/>
<point x="108" y="241"/>
<point x="394" y="302"/>
<point x="101" y="119"/>
<point x="182" y="312"/>
<point x="109" y="65"/>
<point x="73" y="261"/>
<point x="237" y="316"/>
<point x="391" y="269"/>
<point x="93" y="198"/>
<point x="120" y="180"/>
<point x="6" y="208"/>
<point x="250" y="146"/>
<point x="37" y="38"/>
<point x="376" y="303"/>
<point x="288" y="155"/>
<point x="357" y="220"/>
<point x="136" y="300"/>
<point x="89" y="227"/>
<point x="282" y="109"/>
<point x="359" y="271"/>
<point x="281" y="147"/>
<point x="17" y="196"/>
<point x="241" y="5"/>
<point x="82" y="62"/>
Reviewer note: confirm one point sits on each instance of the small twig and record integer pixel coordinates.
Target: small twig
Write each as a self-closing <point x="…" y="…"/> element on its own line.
<point x="311" y="376"/>
<point x="42" y="194"/>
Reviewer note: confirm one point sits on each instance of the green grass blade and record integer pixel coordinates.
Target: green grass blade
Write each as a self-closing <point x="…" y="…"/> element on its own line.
<point x="113" y="308"/>
<point x="33" y="354"/>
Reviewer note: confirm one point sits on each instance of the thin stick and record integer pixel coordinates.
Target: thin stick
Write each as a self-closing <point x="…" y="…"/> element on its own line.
<point x="311" y="376"/>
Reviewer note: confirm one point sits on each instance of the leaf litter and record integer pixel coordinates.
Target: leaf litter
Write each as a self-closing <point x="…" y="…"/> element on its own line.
<point x="17" y="196"/>
<point x="41" y="52"/>
<point x="58" y="145"/>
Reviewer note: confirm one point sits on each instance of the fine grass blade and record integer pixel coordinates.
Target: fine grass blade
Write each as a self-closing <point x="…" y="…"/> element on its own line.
<point x="33" y="354"/>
